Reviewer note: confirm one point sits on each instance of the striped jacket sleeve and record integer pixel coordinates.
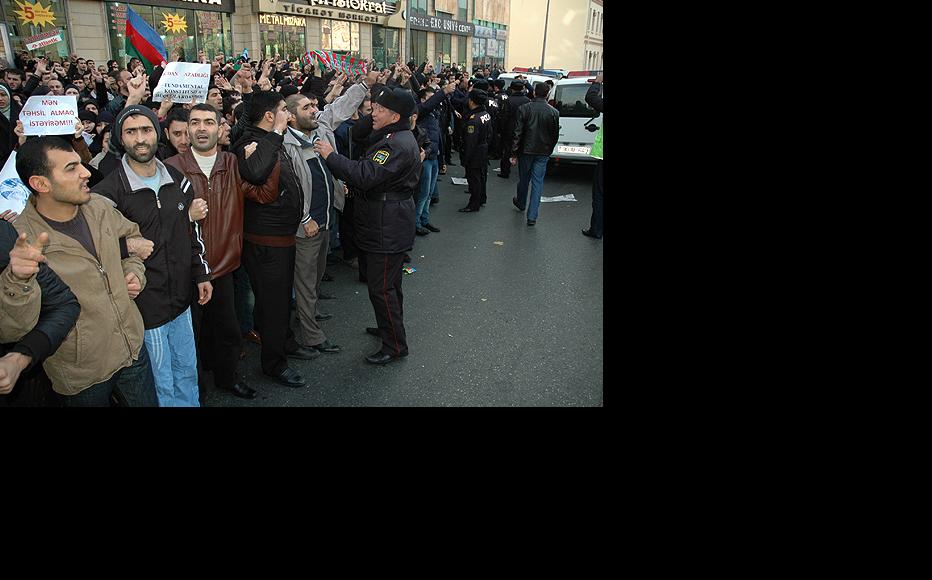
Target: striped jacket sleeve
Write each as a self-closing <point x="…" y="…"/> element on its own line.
<point x="200" y="270"/>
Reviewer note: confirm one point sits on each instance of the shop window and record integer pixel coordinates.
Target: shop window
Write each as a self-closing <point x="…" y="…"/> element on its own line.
<point x="23" y="21"/>
<point x="462" y="11"/>
<point x="461" y="54"/>
<point x="340" y="36"/>
<point x="418" y="50"/>
<point x="385" y="43"/>
<point x="184" y="32"/>
<point x="444" y="48"/>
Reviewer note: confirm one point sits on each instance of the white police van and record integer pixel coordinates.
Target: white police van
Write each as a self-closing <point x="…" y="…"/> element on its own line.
<point x="576" y="140"/>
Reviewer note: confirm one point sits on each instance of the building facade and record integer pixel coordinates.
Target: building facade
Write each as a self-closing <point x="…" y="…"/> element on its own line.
<point x="572" y="39"/>
<point x="465" y="32"/>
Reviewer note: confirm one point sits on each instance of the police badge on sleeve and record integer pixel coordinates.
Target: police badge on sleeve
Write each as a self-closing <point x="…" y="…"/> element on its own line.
<point x="381" y="156"/>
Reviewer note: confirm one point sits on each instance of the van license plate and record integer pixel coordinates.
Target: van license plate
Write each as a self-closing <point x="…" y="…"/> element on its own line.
<point x="569" y="149"/>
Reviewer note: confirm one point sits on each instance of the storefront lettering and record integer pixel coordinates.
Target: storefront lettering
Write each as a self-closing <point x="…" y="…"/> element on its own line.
<point x="439" y="24"/>
<point x="279" y="20"/>
<point x="310" y="10"/>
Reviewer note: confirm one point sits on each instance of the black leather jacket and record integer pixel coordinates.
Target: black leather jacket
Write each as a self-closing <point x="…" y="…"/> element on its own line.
<point x="537" y="128"/>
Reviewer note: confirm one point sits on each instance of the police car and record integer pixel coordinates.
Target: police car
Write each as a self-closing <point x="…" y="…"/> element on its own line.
<point x="578" y="121"/>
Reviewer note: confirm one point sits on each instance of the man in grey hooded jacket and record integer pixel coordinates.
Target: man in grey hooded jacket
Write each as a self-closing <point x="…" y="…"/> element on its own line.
<point x="321" y="191"/>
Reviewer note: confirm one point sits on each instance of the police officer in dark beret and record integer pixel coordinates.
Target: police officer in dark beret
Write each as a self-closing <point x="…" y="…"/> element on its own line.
<point x="476" y="148"/>
<point x="385" y="178"/>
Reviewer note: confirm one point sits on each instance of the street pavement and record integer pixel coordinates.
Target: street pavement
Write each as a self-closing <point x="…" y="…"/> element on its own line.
<point x="512" y="324"/>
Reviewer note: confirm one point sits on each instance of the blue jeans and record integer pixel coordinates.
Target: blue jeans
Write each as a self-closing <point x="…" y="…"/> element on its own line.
<point x="134" y="387"/>
<point x="531" y="169"/>
<point x="428" y="189"/>
<point x="174" y="361"/>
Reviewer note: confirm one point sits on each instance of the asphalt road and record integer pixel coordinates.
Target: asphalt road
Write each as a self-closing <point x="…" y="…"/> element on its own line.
<point x="515" y="323"/>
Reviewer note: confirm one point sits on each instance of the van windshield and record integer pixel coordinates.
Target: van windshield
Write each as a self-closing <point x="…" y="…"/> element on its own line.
<point x="571" y="101"/>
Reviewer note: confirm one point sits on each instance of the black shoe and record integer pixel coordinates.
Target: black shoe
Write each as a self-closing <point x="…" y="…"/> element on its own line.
<point x="406" y="259"/>
<point x="242" y="391"/>
<point x="320" y="317"/>
<point x="432" y="228"/>
<point x="324" y="296"/>
<point x="467" y="192"/>
<point x="326" y="278"/>
<point x="374" y="331"/>
<point x="434" y="201"/>
<point x="363" y="280"/>
<point x="504" y="176"/>
<point x="422" y="231"/>
<point x="327" y="346"/>
<point x="588" y="233"/>
<point x="467" y="209"/>
<point x="289" y="378"/>
<point x="514" y="202"/>
<point x="381" y="358"/>
<point x="531" y="222"/>
<point x="303" y="353"/>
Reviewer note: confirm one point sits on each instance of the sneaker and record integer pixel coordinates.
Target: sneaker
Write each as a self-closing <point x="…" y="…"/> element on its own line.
<point x="432" y="228"/>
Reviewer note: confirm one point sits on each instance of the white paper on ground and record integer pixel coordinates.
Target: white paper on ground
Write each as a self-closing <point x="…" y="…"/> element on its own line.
<point x="13" y="192"/>
<point x="569" y="197"/>
<point x="459" y="181"/>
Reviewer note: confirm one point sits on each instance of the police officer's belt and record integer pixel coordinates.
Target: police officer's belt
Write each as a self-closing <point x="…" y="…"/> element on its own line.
<point x="391" y="196"/>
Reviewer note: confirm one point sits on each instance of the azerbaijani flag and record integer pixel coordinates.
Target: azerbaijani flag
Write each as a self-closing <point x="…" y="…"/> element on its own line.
<point x="143" y="42"/>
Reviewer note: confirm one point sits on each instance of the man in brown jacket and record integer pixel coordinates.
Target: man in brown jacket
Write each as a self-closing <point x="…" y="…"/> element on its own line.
<point x="215" y="179"/>
<point x="104" y="353"/>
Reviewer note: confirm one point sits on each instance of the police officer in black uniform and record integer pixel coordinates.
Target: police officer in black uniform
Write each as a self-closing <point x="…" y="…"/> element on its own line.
<point x="476" y="149"/>
<point x="385" y="178"/>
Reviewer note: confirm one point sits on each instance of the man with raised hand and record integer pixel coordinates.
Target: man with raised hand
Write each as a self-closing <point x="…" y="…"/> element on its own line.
<point x="103" y="354"/>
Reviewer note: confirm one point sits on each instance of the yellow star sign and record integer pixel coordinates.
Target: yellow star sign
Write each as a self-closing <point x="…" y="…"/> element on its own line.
<point x="174" y="23"/>
<point x="35" y="14"/>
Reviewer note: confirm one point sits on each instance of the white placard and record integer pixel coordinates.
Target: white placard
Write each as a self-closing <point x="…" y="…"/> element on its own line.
<point x="13" y="193"/>
<point x="183" y="81"/>
<point x="50" y="115"/>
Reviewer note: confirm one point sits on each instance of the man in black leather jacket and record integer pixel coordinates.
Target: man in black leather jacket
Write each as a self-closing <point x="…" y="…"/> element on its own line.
<point x="537" y="130"/>
<point x="22" y="381"/>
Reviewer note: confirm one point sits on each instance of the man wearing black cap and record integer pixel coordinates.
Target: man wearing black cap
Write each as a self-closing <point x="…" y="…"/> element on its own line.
<point x="476" y="149"/>
<point x="385" y="177"/>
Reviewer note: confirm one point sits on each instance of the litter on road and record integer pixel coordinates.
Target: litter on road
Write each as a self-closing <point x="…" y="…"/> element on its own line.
<point x="459" y="181"/>
<point x="569" y="197"/>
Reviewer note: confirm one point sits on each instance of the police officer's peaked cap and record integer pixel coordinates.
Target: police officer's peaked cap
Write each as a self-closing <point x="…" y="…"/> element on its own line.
<point x="517" y="85"/>
<point x="399" y="100"/>
<point x="481" y="84"/>
<point x="477" y="96"/>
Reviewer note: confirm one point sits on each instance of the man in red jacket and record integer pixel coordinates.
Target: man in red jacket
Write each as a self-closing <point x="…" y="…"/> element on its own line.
<point x="215" y="178"/>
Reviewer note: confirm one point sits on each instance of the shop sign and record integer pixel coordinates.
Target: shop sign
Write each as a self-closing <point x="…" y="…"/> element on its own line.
<point x="283" y="20"/>
<point x="42" y="40"/>
<point x="486" y="32"/>
<point x="441" y="24"/>
<point x="352" y="10"/>
<point x="173" y="23"/>
<point x="35" y="14"/>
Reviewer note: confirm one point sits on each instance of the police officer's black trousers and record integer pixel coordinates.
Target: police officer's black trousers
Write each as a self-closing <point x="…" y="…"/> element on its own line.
<point x="595" y="223"/>
<point x="217" y="335"/>
<point x="475" y="177"/>
<point x="271" y="274"/>
<point x="383" y="274"/>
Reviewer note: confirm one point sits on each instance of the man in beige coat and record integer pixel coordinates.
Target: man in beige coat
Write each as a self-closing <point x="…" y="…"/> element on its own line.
<point x="103" y="355"/>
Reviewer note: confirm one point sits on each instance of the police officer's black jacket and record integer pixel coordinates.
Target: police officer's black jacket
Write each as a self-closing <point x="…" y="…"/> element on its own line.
<point x="282" y="216"/>
<point x="178" y="256"/>
<point x="509" y="110"/>
<point x="384" y="179"/>
<point x="57" y="314"/>
<point x="477" y="137"/>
